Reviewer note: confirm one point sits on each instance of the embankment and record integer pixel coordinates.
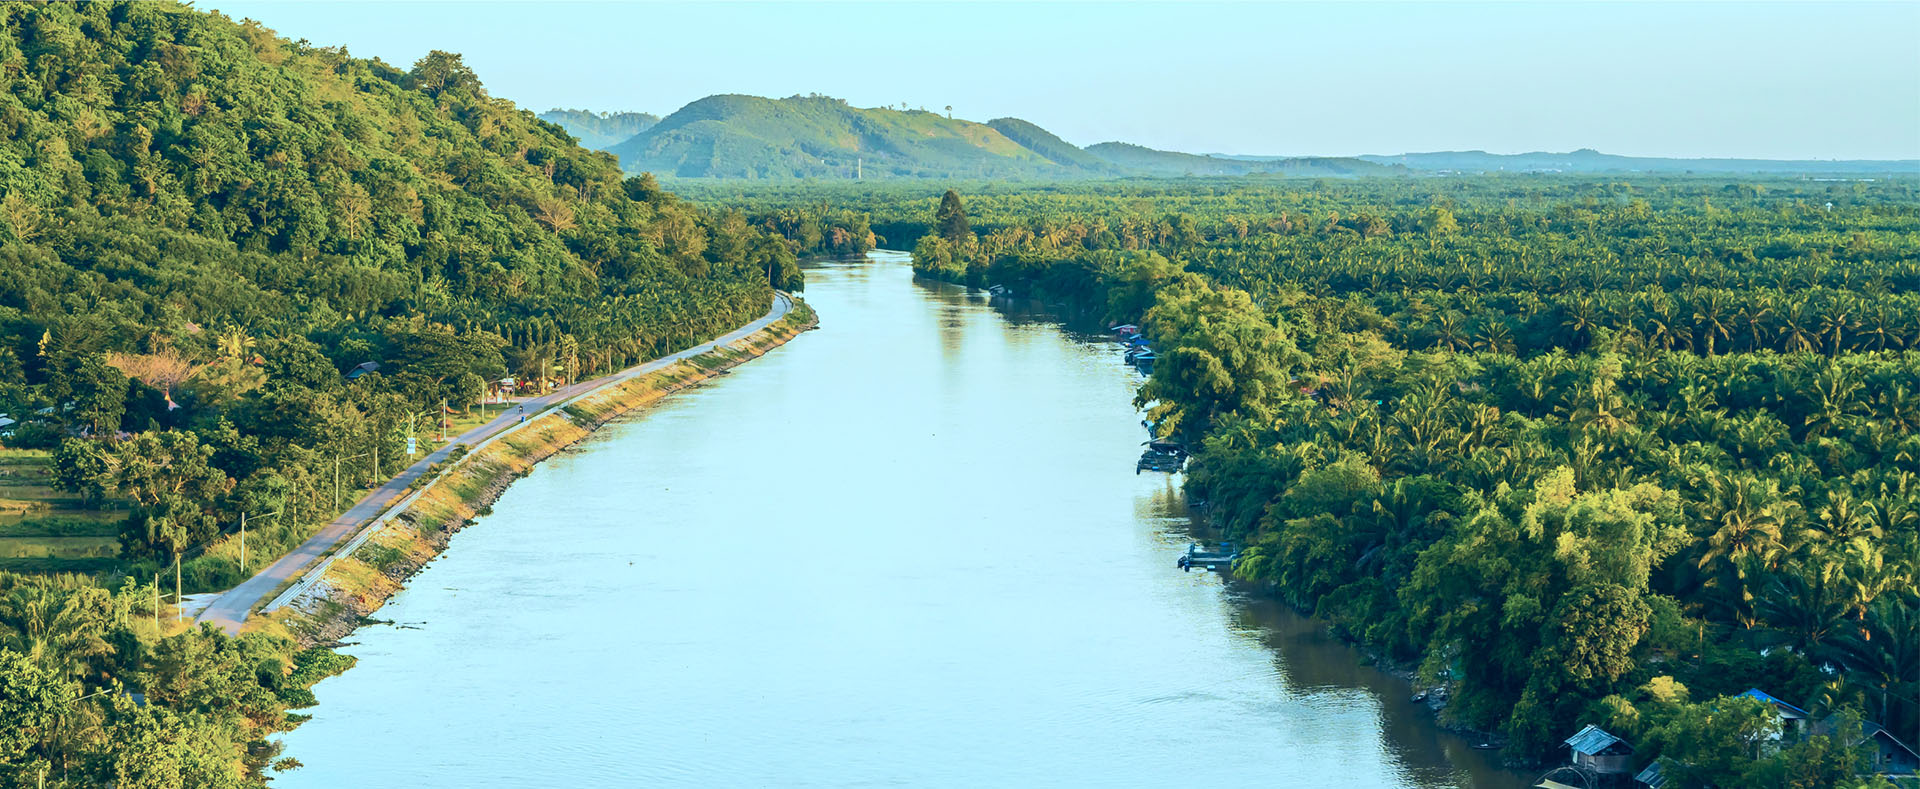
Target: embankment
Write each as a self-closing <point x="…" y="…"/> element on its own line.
<point x="353" y="587"/>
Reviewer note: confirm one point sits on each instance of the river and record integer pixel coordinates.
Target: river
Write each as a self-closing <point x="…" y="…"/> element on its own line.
<point x="909" y="548"/>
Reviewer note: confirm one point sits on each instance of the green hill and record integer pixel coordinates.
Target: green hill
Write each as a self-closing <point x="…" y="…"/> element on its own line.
<point x="203" y="224"/>
<point x="1141" y="159"/>
<point x="600" y="130"/>
<point x="732" y="136"/>
<point x="1044" y="142"/>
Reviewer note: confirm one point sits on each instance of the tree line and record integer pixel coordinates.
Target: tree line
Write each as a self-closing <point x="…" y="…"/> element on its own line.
<point x="206" y="232"/>
<point x="1583" y="451"/>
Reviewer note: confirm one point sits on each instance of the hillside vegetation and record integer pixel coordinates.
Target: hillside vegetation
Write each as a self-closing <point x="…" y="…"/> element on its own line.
<point x="1056" y="150"/>
<point x="1587" y="452"/>
<point x="1143" y="160"/>
<point x="600" y="130"/>
<point x="202" y="226"/>
<point x="819" y="137"/>
<point x="734" y="136"/>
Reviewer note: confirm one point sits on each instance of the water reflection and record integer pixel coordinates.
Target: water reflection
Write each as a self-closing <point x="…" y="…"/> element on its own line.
<point x="907" y="549"/>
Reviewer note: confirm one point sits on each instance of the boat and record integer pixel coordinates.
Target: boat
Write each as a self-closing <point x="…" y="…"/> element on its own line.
<point x="1216" y="560"/>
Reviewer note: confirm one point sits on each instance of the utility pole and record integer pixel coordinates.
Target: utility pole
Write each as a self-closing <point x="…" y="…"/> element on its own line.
<point x="443" y="420"/>
<point x="243" y="536"/>
<point x="179" y="602"/>
<point x="336" y="474"/>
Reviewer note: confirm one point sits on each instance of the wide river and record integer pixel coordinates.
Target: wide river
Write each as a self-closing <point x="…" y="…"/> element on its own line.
<point x="908" y="549"/>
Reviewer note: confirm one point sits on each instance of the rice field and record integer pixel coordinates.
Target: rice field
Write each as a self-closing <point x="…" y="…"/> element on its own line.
<point x="45" y="529"/>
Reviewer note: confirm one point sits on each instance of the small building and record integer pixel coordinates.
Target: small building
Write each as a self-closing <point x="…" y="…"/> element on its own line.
<point x="362" y="369"/>
<point x="1888" y="754"/>
<point x="1600" y="753"/>
<point x="1653" y="777"/>
<point x="1793" y="720"/>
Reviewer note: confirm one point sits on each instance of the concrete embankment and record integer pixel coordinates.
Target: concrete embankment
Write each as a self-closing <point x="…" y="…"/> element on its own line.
<point x="353" y="586"/>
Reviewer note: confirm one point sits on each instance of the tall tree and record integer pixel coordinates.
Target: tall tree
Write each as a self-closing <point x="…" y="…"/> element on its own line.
<point x="951" y="219"/>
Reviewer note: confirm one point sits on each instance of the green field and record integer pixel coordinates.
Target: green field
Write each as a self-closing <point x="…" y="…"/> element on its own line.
<point x="43" y="529"/>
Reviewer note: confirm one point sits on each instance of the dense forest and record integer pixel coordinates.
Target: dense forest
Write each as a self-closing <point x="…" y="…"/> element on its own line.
<point x="203" y="228"/>
<point x="1585" y="451"/>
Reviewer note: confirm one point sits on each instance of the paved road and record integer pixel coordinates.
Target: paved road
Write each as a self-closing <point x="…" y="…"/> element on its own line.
<point x="232" y="608"/>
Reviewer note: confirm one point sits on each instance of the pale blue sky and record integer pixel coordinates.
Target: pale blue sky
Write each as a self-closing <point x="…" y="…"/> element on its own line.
<point x="1769" y="80"/>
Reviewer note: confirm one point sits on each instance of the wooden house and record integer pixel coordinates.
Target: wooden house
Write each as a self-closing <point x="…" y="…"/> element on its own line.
<point x="1887" y="754"/>
<point x="1600" y="753"/>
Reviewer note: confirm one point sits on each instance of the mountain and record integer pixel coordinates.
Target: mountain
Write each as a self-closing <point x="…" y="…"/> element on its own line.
<point x="231" y="219"/>
<point x="733" y="136"/>
<point x="1044" y="142"/>
<point x="600" y="130"/>
<point x="1587" y="160"/>
<point x="1141" y="159"/>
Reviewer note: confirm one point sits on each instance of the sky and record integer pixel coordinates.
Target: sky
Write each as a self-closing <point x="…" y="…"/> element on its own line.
<point x="1764" y="80"/>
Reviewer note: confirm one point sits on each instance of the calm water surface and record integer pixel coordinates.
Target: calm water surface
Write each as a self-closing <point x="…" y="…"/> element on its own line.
<point x="906" y="549"/>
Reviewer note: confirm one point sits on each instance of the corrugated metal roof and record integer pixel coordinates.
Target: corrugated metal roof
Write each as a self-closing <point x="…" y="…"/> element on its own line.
<point x="1592" y="740"/>
<point x="1652" y="776"/>
<point x="1756" y="693"/>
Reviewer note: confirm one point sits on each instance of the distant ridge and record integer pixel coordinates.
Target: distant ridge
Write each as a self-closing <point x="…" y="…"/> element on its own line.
<point x="600" y="130"/>
<point x="1146" y="160"/>
<point x="733" y="136"/>
<point x="814" y="136"/>
<point x="1587" y="160"/>
<point x="1044" y="142"/>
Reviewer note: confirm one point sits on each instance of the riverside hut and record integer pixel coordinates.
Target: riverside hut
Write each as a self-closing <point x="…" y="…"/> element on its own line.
<point x="1601" y="753"/>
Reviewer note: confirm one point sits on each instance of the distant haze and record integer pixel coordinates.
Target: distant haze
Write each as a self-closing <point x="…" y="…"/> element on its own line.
<point x="1772" y="80"/>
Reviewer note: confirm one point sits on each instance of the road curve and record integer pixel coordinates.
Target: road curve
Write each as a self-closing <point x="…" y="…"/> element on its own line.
<point x="232" y="608"/>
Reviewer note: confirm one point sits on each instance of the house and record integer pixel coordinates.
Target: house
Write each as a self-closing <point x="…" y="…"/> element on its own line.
<point x="362" y="369"/>
<point x="1652" y="777"/>
<point x="1793" y="720"/>
<point x="1889" y="755"/>
<point x="1600" y="753"/>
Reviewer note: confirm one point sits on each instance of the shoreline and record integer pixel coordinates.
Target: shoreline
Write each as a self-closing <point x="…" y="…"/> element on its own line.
<point x="360" y="580"/>
<point x="1201" y="525"/>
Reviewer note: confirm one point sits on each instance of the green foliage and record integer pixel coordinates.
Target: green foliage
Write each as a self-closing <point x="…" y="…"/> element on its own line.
<point x="1140" y="159"/>
<point x="203" y="226"/>
<point x="951" y="219"/>
<point x="71" y="652"/>
<point x="1545" y="436"/>
<point x="733" y="136"/>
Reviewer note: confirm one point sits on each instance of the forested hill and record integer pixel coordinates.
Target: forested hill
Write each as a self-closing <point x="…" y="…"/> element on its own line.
<point x="204" y="225"/>
<point x="1149" y="161"/>
<point x="820" y="137"/>
<point x="600" y="130"/>
<point x="733" y="136"/>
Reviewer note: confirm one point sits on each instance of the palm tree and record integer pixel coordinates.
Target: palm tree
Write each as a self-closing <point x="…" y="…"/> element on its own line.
<point x="1796" y="326"/>
<point x="1882" y="654"/>
<point x="1710" y="315"/>
<point x="1803" y="606"/>
<point x="235" y="343"/>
